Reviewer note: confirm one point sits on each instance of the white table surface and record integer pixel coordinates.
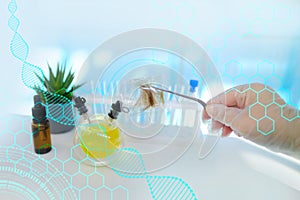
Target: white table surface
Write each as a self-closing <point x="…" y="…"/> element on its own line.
<point x="234" y="170"/>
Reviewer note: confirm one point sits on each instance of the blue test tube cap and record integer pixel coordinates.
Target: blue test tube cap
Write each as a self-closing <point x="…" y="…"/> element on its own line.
<point x="193" y="85"/>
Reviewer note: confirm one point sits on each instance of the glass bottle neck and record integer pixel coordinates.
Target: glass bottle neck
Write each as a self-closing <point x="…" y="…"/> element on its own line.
<point x="90" y="119"/>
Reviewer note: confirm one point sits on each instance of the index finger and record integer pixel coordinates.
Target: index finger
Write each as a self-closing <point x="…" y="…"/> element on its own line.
<point x="233" y="97"/>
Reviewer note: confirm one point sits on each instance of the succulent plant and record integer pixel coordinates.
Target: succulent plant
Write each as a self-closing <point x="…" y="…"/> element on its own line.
<point x="58" y="85"/>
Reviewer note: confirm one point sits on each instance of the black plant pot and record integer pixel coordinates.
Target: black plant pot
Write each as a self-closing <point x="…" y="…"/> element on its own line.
<point x="61" y="118"/>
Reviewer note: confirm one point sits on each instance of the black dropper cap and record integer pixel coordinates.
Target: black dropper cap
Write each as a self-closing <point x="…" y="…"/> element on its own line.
<point x="38" y="111"/>
<point x="116" y="108"/>
<point x="80" y="105"/>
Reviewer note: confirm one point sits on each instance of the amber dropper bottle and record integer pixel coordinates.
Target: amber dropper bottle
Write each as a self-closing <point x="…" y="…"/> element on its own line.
<point x="40" y="128"/>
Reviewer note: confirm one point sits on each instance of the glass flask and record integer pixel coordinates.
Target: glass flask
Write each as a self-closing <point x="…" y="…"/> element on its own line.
<point x="97" y="137"/>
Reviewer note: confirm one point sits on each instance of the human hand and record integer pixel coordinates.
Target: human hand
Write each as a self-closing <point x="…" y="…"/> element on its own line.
<point x="257" y="113"/>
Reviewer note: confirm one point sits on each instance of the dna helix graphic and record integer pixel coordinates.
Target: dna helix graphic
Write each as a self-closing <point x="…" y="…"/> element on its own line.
<point x="20" y="49"/>
<point x="128" y="163"/>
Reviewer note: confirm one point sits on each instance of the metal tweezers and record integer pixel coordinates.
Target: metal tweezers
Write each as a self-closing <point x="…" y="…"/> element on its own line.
<point x="178" y="94"/>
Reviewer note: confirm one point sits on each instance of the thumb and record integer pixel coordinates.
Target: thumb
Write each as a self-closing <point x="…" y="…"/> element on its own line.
<point x="222" y="113"/>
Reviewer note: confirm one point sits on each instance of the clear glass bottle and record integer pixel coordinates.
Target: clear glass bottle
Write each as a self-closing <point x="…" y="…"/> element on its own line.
<point x="97" y="135"/>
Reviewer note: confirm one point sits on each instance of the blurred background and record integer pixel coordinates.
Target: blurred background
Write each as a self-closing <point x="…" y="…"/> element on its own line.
<point x="248" y="41"/>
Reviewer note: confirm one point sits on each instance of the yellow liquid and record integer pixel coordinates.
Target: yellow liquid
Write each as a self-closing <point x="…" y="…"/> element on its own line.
<point x="99" y="141"/>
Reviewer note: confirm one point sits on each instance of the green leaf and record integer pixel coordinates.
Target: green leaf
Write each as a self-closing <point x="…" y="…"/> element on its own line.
<point x="63" y="74"/>
<point x="40" y="78"/>
<point x="57" y="69"/>
<point x="59" y="77"/>
<point x="51" y="75"/>
<point x="48" y="86"/>
<point x="69" y="95"/>
<point x="75" y="87"/>
<point x="69" y="79"/>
